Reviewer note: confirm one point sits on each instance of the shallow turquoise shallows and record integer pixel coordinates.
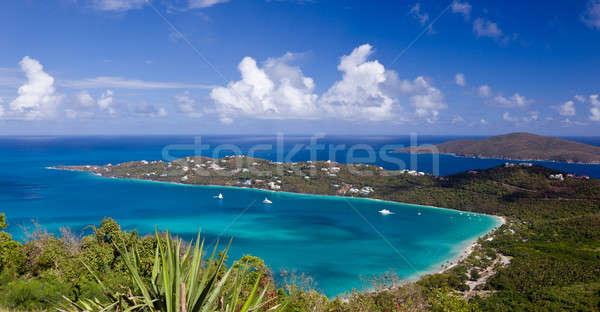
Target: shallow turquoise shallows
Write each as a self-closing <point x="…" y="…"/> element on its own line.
<point x="338" y="242"/>
<point x="341" y="243"/>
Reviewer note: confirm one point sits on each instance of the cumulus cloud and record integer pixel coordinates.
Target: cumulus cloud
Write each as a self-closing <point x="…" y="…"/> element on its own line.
<point x="460" y="79"/>
<point x="200" y="4"/>
<point x="484" y="91"/>
<point x="360" y="93"/>
<point x="580" y="98"/>
<point x="463" y="8"/>
<point x="591" y="17"/>
<point x="594" y="100"/>
<point x="105" y="102"/>
<point x="37" y="97"/>
<point x="457" y="119"/>
<point x="84" y="99"/>
<point x="426" y="99"/>
<point x="506" y="116"/>
<point x="486" y="28"/>
<point x="516" y="100"/>
<point x="530" y="116"/>
<point x="419" y="15"/>
<point x="148" y="110"/>
<point x="187" y="105"/>
<point x="74" y="114"/>
<point x="595" y="108"/>
<point x="567" y="108"/>
<point x="276" y="90"/>
<point x="117" y="5"/>
<point x="366" y="91"/>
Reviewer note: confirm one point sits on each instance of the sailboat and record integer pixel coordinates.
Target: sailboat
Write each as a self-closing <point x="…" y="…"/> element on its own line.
<point x="267" y="201"/>
<point x="220" y="196"/>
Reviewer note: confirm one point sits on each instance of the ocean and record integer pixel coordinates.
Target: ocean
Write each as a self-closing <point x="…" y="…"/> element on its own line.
<point x="339" y="243"/>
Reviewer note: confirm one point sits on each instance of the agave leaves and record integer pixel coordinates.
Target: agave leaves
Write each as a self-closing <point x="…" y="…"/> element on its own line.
<point x="182" y="281"/>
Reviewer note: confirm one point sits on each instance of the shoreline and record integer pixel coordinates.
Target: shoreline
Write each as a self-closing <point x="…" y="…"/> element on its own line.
<point x="464" y="249"/>
<point x="339" y="197"/>
<point x="470" y="247"/>
<point x="505" y="159"/>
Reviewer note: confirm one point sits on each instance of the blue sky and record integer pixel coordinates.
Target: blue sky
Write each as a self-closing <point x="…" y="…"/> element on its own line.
<point x="343" y="67"/>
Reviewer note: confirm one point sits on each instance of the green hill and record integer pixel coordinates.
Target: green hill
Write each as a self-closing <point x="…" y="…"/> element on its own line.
<point x="518" y="146"/>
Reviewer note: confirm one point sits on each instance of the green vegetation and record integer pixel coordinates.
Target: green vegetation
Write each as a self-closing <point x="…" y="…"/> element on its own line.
<point x="545" y="258"/>
<point x="522" y="146"/>
<point x="181" y="280"/>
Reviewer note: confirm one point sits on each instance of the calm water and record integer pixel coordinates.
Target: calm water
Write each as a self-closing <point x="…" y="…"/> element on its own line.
<point x="334" y="240"/>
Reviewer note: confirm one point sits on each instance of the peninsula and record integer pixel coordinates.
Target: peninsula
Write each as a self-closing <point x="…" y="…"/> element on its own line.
<point x="517" y="146"/>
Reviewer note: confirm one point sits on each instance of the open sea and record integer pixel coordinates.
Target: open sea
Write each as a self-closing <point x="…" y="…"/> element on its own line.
<point x="340" y="243"/>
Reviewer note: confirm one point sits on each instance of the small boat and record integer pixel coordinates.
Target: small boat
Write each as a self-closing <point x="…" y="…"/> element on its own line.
<point x="220" y="196"/>
<point x="267" y="201"/>
<point x="418" y="214"/>
<point x="385" y="212"/>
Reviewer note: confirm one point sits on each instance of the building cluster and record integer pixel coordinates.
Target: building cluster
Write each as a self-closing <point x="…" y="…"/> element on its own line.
<point x="413" y="173"/>
<point x="364" y="191"/>
<point x="511" y="165"/>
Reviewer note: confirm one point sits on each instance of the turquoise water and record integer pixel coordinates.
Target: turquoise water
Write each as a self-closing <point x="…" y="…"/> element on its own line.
<point x="339" y="242"/>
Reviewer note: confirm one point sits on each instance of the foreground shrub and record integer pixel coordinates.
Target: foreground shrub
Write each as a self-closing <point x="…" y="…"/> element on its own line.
<point x="181" y="280"/>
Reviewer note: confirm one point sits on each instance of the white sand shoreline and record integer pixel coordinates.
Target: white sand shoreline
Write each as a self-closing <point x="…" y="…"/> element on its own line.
<point x="437" y="268"/>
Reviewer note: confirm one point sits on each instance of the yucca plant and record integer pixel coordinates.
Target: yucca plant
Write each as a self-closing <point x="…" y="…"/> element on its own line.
<point x="181" y="281"/>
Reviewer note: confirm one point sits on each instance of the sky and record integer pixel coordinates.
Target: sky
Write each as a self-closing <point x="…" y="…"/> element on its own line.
<point x="454" y="67"/>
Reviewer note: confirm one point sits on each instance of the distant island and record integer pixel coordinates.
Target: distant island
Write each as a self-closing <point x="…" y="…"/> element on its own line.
<point x="517" y="146"/>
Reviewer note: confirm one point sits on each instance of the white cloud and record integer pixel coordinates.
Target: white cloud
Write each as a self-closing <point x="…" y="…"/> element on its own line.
<point x="420" y="16"/>
<point x="595" y="108"/>
<point x="74" y="114"/>
<point x="426" y="99"/>
<point x="460" y="79"/>
<point x="516" y="100"/>
<point x="123" y="83"/>
<point x="117" y="5"/>
<point x="485" y="91"/>
<point x="148" y="110"/>
<point x="457" y="119"/>
<point x="530" y="116"/>
<point x="360" y="93"/>
<point x="591" y="17"/>
<point x="483" y="121"/>
<point x="463" y="8"/>
<point x="580" y="98"/>
<point x="275" y="91"/>
<point x="595" y="113"/>
<point x="486" y="28"/>
<point x="105" y="102"/>
<point x="506" y="116"/>
<point x="37" y="97"/>
<point x="594" y="100"/>
<point x="84" y="99"/>
<point x="187" y="105"/>
<point x="200" y="4"/>
<point x="366" y="91"/>
<point x="567" y="109"/>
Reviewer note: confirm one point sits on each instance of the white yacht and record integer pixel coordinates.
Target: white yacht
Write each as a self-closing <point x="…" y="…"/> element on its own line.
<point x="267" y="201"/>
<point x="385" y="212"/>
<point x="220" y="196"/>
